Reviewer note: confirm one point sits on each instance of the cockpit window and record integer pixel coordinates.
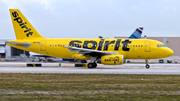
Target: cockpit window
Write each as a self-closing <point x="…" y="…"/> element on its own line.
<point x="161" y="45"/>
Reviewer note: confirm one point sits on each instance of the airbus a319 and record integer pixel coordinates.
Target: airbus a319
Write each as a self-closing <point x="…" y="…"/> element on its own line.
<point x="104" y="51"/>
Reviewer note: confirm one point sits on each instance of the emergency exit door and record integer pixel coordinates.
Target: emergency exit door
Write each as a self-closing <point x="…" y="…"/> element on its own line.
<point x="43" y="45"/>
<point x="147" y="46"/>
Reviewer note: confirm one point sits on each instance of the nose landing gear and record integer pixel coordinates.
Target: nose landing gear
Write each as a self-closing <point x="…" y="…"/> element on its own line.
<point x="147" y="65"/>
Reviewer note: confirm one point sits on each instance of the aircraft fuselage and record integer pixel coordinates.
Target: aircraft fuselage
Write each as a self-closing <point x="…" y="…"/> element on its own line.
<point x="130" y="48"/>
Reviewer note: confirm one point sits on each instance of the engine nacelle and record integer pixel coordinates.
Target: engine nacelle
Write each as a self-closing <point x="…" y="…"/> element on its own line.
<point x="111" y="60"/>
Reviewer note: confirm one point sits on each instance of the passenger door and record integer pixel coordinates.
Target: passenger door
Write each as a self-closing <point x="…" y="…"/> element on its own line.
<point x="43" y="45"/>
<point x="147" y="46"/>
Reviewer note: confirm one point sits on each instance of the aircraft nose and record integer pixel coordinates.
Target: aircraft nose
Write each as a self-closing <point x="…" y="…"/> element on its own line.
<point x="170" y="52"/>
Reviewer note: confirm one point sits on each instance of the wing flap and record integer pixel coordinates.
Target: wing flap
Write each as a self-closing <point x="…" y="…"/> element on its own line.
<point x="89" y="52"/>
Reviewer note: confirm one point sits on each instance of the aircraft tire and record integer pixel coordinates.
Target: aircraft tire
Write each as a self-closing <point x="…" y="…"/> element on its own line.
<point x="147" y="66"/>
<point x="90" y="65"/>
<point x="94" y="65"/>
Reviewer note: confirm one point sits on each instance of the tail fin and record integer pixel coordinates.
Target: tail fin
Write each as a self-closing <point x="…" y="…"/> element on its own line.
<point x="23" y="29"/>
<point x="137" y="33"/>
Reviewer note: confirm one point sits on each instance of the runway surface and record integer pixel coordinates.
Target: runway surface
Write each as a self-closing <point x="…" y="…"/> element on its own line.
<point x="19" y="67"/>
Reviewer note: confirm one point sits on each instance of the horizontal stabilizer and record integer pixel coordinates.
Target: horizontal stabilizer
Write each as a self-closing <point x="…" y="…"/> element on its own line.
<point x="19" y="43"/>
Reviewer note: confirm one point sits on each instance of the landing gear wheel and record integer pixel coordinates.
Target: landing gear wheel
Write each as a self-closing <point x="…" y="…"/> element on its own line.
<point x="90" y="65"/>
<point x="147" y="66"/>
<point x="94" y="65"/>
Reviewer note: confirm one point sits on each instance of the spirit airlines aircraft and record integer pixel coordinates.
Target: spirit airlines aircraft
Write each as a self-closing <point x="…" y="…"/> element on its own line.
<point x="104" y="51"/>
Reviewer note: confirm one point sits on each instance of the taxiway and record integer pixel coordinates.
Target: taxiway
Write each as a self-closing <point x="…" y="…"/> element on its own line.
<point x="18" y="67"/>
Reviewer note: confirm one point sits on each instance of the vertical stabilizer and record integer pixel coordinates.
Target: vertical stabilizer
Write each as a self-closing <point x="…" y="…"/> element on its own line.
<point x="137" y="33"/>
<point x="23" y="29"/>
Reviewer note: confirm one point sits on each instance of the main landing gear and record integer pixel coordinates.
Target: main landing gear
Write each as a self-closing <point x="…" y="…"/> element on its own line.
<point x="92" y="63"/>
<point x="147" y="65"/>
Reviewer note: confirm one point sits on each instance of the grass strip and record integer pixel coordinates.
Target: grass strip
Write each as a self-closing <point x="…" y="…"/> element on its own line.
<point x="89" y="87"/>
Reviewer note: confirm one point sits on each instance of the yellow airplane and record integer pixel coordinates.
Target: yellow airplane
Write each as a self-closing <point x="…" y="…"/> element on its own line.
<point x="104" y="51"/>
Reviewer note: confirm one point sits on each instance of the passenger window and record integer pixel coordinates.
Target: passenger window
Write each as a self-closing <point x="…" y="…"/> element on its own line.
<point x="50" y="44"/>
<point x="112" y="45"/>
<point x="130" y="45"/>
<point x="133" y="45"/>
<point x="136" y="45"/>
<point x="162" y="45"/>
<point x="139" y="46"/>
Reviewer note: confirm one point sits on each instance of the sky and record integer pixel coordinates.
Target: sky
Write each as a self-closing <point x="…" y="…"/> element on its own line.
<point x="93" y="18"/>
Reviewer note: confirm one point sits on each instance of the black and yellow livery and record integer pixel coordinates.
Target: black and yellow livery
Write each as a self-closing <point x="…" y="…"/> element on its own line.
<point x="105" y="51"/>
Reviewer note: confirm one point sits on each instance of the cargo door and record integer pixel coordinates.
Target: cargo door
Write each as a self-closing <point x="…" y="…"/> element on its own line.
<point x="147" y="46"/>
<point x="43" y="45"/>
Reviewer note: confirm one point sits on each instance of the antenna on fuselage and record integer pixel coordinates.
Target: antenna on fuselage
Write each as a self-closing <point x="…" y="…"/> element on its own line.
<point x="100" y="37"/>
<point x="145" y="36"/>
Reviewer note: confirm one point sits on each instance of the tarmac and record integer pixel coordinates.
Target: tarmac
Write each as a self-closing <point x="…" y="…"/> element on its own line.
<point x="21" y="67"/>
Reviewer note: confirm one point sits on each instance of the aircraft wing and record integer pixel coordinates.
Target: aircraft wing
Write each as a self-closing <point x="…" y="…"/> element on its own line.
<point x="25" y="44"/>
<point x="89" y="52"/>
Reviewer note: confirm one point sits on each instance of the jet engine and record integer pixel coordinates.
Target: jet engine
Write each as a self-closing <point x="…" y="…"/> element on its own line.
<point x="111" y="59"/>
